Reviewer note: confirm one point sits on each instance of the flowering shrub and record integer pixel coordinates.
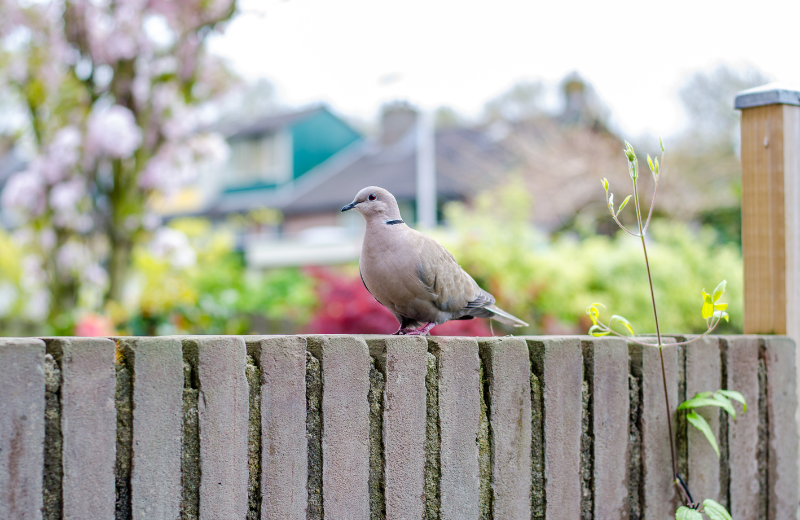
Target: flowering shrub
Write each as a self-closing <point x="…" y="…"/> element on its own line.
<point x="108" y="96"/>
<point x="548" y="282"/>
<point x="346" y="307"/>
<point x="189" y="280"/>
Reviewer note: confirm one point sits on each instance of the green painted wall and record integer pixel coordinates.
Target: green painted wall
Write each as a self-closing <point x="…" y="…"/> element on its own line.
<point x="317" y="138"/>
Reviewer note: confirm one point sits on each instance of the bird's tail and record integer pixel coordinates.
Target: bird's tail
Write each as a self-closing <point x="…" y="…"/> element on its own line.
<point x="504" y="317"/>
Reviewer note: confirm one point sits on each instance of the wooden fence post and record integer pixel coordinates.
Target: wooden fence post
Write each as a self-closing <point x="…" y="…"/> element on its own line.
<point x="771" y="210"/>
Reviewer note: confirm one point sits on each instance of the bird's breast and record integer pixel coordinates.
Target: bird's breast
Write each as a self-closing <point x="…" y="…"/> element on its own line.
<point x="389" y="272"/>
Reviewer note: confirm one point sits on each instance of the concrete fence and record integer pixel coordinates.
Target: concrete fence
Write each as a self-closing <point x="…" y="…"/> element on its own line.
<point x="373" y="427"/>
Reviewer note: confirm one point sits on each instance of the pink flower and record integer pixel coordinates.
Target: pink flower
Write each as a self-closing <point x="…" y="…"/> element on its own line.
<point x="24" y="191"/>
<point x="113" y="132"/>
<point x="64" y="197"/>
<point x="92" y="325"/>
<point x="174" y="246"/>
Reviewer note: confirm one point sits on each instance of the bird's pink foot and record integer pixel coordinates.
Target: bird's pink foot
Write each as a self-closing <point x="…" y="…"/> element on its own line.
<point x="422" y="331"/>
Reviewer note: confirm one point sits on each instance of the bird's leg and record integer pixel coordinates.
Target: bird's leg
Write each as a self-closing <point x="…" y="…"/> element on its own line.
<point x="401" y="331"/>
<point x="422" y="331"/>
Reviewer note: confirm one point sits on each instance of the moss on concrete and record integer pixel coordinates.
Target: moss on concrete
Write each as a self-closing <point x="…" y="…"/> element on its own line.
<point x="314" y="435"/>
<point x="432" y="441"/>
<point x="724" y="447"/>
<point x="190" y="463"/>
<point x="587" y="499"/>
<point x="377" y="502"/>
<point x="122" y="471"/>
<point x="635" y="484"/>
<point x="537" y="449"/>
<point x="484" y="447"/>
<point x="253" y="375"/>
<point x="53" y="470"/>
<point x="762" y="446"/>
<point x="681" y="424"/>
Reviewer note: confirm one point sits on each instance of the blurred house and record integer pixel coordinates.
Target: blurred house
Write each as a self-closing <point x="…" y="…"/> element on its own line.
<point x="563" y="157"/>
<point x="308" y="164"/>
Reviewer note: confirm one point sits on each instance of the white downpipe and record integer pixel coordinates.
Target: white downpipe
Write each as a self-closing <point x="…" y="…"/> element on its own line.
<point x="426" y="171"/>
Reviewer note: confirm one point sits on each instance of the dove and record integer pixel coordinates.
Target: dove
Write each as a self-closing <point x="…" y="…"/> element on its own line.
<point x="413" y="275"/>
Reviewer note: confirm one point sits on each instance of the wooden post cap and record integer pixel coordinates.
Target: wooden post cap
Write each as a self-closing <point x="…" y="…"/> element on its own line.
<point x="769" y="94"/>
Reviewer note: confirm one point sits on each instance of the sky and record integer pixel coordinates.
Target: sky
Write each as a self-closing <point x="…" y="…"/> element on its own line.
<point x="357" y="54"/>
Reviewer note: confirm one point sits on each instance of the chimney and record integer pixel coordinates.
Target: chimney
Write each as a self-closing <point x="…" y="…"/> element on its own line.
<point x="397" y="120"/>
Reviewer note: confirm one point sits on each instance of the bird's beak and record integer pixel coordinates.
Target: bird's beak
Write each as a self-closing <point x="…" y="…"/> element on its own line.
<point x="349" y="206"/>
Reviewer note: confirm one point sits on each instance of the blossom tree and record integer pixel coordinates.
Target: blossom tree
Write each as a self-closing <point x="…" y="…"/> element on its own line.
<point x="111" y="97"/>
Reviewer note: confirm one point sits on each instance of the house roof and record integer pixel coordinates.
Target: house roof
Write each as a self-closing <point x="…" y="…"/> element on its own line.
<point x="467" y="161"/>
<point x="272" y="123"/>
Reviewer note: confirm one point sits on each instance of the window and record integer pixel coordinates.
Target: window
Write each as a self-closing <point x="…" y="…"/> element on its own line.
<point x="259" y="160"/>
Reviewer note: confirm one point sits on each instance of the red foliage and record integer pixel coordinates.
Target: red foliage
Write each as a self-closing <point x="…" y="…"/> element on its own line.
<point x="346" y="307"/>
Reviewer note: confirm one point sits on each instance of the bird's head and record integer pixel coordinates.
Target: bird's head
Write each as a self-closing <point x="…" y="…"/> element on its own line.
<point x="375" y="203"/>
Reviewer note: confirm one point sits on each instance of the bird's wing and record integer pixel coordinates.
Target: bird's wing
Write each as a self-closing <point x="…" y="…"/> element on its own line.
<point x="450" y="288"/>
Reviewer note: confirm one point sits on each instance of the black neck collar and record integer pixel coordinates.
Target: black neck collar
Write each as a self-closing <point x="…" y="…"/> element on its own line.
<point x="393" y="222"/>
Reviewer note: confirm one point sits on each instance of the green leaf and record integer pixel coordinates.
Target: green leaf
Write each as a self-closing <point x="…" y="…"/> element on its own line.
<point x="684" y="513"/>
<point x="715" y="511"/>
<point x="650" y="163"/>
<point x="593" y="313"/>
<point x="661" y="143"/>
<point x="721" y="315"/>
<point x="629" y="153"/>
<point x="624" y="203"/>
<point x="699" y="402"/>
<point x="707" y="310"/>
<point x="611" y="202"/>
<point x="704" y="394"/>
<point x="597" y="331"/>
<point x="623" y="321"/>
<point x="658" y="168"/>
<point x="726" y="404"/>
<point x="698" y="422"/>
<point x="736" y="396"/>
<point x="719" y="291"/>
<point x="605" y="184"/>
<point x="707" y="297"/>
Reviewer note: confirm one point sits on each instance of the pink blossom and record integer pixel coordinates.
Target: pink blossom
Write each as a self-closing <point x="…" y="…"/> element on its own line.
<point x="65" y="147"/>
<point x="47" y="239"/>
<point x="210" y="149"/>
<point x="174" y="246"/>
<point x="96" y="275"/>
<point x="72" y="256"/>
<point x="64" y="197"/>
<point x="113" y="132"/>
<point x="37" y="305"/>
<point x="24" y="192"/>
<point x="93" y="325"/>
<point x="62" y="154"/>
<point x="8" y="297"/>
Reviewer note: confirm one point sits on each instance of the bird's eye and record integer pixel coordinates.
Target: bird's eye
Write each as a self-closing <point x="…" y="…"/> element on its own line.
<point x="372" y="196"/>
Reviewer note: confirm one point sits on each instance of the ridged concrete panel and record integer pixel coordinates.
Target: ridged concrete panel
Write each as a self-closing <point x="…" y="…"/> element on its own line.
<point x="659" y="493"/>
<point x="284" y="455"/>
<point x="345" y="426"/>
<point x="560" y="363"/>
<point x="703" y="374"/>
<point x="223" y="418"/>
<point x="404" y="360"/>
<point x="780" y="356"/>
<point x="509" y="378"/>
<point x="606" y="365"/>
<point x="88" y="425"/>
<point x="21" y="428"/>
<point x="459" y="420"/>
<point x="742" y="374"/>
<point x="157" y="426"/>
